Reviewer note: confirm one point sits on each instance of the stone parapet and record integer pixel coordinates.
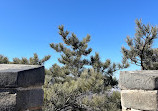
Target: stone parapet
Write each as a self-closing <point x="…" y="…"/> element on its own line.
<point x="139" y="90"/>
<point x="140" y="80"/>
<point x="21" y="87"/>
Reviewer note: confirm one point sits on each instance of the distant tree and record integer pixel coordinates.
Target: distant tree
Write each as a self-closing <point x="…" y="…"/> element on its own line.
<point x="16" y="61"/>
<point x="31" y="61"/>
<point x="140" y="51"/>
<point x="4" y="60"/>
<point x="24" y="61"/>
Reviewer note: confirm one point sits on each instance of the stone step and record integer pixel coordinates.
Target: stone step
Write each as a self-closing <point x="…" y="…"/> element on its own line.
<point x="140" y="99"/>
<point x="143" y="80"/>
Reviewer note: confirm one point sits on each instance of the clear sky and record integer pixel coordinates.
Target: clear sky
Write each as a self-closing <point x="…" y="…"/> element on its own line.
<point x="29" y="26"/>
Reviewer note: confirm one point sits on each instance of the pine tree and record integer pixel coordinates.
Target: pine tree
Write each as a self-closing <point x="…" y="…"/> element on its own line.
<point x="107" y="69"/>
<point x="4" y="60"/>
<point x="140" y="50"/>
<point x="68" y="85"/>
<point x="16" y="61"/>
<point x="36" y="61"/>
<point x="31" y="61"/>
<point x="72" y="52"/>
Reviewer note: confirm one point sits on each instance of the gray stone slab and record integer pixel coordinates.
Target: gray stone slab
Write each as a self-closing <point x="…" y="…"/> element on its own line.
<point x="7" y="101"/>
<point x="140" y="99"/>
<point x="144" y="80"/>
<point x="17" y="75"/>
<point x="29" y="98"/>
<point x="21" y="99"/>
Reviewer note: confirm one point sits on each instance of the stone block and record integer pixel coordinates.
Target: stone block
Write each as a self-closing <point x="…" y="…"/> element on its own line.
<point x="7" y="101"/>
<point x="29" y="98"/>
<point x="129" y="109"/>
<point x="143" y="80"/>
<point x="16" y="75"/>
<point x="21" y="99"/>
<point x="140" y="99"/>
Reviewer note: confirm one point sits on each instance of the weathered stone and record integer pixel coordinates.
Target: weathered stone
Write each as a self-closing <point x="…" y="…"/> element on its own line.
<point x="135" y="110"/>
<point x="12" y="75"/>
<point x="21" y="87"/>
<point x="125" y="109"/>
<point x="140" y="99"/>
<point x="21" y="99"/>
<point x="29" y="98"/>
<point x="7" y="101"/>
<point x="144" y="80"/>
<point x="129" y="109"/>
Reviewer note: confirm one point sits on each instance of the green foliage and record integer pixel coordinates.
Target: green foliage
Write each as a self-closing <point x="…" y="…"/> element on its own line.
<point x="140" y="50"/>
<point x="83" y="94"/>
<point x="3" y="60"/>
<point x="107" y="69"/>
<point x="67" y="86"/>
<point x="72" y="52"/>
<point x="31" y="61"/>
<point x="103" y="102"/>
<point x="72" y="86"/>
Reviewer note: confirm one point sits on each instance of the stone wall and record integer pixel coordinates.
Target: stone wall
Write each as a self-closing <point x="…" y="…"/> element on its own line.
<point x="21" y="87"/>
<point x="139" y="90"/>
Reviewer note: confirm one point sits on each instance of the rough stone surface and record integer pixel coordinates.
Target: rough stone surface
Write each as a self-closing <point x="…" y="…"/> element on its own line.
<point x="143" y="80"/>
<point x="15" y="75"/>
<point x="21" y="87"/>
<point x="129" y="109"/>
<point x="35" y="109"/>
<point x="140" y="99"/>
<point x="21" y="99"/>
<point x="29" y="98"/>
<point x="7" y="101"/>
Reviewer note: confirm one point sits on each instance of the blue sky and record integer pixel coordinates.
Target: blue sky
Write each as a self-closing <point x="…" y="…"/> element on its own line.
<point x="29" y="26"/>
